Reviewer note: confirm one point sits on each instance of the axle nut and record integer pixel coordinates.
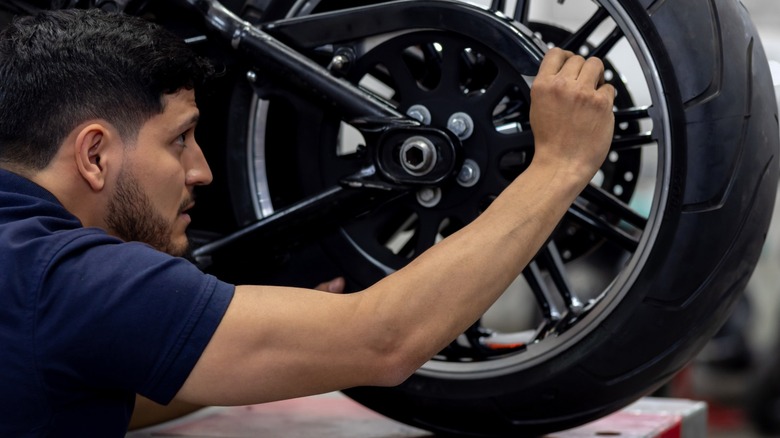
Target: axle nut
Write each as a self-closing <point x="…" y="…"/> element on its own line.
<point x="418" y="156"/>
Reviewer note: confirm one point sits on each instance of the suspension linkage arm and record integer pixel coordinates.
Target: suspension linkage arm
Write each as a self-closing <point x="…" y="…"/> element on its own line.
<point x="290" y="67"/>
<point x="307" y="218"/>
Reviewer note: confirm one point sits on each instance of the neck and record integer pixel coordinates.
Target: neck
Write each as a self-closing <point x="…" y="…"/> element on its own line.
<point x="17" y="169"/>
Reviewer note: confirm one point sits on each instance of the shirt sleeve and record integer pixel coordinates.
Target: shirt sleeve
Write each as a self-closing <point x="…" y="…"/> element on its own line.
<point x="115" y="315"/>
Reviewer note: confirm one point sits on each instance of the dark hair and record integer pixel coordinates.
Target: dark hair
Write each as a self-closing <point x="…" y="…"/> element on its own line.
<point x="61" y="68"/>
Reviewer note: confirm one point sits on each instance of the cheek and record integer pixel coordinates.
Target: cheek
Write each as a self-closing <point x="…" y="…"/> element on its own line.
<point x="164" y="186"/>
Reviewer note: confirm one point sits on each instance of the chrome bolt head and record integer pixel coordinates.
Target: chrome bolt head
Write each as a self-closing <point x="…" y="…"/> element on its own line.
<point x="461" y="125"/>
<point x="419" y="113"/>
<point x="429" y="197"/>
<point x="338" y="63"/>
<point x="418" y="156"/>
<point x="469" y="174"/>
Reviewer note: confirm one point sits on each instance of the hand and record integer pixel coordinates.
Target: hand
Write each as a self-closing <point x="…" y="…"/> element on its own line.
<point x="571" y="112"/>
<point x="335" y="285"/>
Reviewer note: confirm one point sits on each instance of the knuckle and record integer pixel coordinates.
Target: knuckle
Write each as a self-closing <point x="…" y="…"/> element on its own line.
<point x="596" y="61"/>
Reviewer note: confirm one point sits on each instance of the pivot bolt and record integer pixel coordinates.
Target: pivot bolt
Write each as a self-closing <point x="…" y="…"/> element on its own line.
<point x="341" y="60"/>
<point x="461" y="125"/>
<point x="338" y="63"/>
<point x="418" y="156"/>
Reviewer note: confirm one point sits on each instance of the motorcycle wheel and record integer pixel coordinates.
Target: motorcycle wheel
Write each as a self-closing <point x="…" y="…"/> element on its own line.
<point x="640" y="274"/>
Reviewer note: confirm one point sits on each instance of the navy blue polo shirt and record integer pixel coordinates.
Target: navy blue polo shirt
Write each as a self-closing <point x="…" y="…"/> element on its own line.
<point x="87" y="320"/>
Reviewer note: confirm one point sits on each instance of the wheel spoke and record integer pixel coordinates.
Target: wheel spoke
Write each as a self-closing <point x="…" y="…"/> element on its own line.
<point x="475" y="334"/>
<point x="451" y="65"/>
<point x="489" y="98"/>
<point x="626" y="117"/>
<point x="427" y="230"/>
<point x="609" y="203"/>
<point x="497" y="5"/>
<point x="634" y="141"/>
<point x="521" y="11"/>
<point x="580" y="37"/>
<point x="550" y="259"/>
<point x="399" y="77"/>
<point x="390" y="227"/>
<point x="608" y="43"/>
<point x="632" y="114"/>
<point x="544" y="298"/>
<point x="603" y="227"/>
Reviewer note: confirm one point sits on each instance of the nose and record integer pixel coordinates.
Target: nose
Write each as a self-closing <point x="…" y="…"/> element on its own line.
<point x="198" y="170"/>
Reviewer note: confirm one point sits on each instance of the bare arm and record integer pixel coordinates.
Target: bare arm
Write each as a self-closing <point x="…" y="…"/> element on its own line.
<point x="148" y="413"/>
<point x="277" y="343"/>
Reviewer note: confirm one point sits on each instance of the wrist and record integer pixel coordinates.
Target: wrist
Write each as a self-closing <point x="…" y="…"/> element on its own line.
<point x="563" y="171"/>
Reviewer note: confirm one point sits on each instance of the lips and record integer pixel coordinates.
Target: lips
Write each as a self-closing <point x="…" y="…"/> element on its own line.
<point x="186" y="208"/>
<point x="183" y="211"/>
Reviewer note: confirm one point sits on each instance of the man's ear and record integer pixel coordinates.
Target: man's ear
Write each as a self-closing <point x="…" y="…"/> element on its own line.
<point x="92" y="145"/>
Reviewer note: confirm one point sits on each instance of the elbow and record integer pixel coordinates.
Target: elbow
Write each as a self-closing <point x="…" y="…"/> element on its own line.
<point x="395" y="365"/>
<point x="395" y="347"/>
<point x="397" y="371"/>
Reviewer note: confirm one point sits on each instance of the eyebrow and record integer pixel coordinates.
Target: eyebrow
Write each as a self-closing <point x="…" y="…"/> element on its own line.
<point x="189" y="122"/>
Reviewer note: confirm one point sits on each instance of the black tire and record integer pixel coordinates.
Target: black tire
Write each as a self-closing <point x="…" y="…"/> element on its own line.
<point x="715" y="131"/>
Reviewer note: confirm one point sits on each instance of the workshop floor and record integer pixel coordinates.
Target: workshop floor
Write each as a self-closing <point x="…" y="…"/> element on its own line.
<point x="333" y="415"/>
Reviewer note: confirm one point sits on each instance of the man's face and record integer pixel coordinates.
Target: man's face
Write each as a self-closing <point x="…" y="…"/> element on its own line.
<point x="154" y="188"/>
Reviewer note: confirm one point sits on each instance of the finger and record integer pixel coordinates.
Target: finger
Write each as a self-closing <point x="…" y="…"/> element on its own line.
<point x="593" y="72"/>
<point x="334" y="286"/>
<point x="608" y="91"/>
<point x="573" y="67"/>
<point x="553" y="61"/>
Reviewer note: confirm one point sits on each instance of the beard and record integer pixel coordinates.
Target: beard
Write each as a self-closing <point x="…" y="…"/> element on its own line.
<point x="132" y="218"/>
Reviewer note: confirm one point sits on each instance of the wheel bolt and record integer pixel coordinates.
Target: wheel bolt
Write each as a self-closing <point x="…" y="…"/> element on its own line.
<point x="419" y="113"/>
<point x="429" y="196"/>
<point x="461" y="125"/>
<point x="469" y="174"/>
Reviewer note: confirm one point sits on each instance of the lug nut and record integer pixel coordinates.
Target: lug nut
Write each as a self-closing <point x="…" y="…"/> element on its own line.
<point x="429" y="196"/>
<point x="419" y="113"/>
<point x="469" y="174"/>
<point x="461" y="125"/>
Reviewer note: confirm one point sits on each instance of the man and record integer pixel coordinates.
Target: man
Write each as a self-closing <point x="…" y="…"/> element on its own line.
<point x="98" y="163"/>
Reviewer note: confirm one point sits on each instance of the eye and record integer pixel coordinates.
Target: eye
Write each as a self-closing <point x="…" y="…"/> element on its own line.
<point x="181" y="140"/>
